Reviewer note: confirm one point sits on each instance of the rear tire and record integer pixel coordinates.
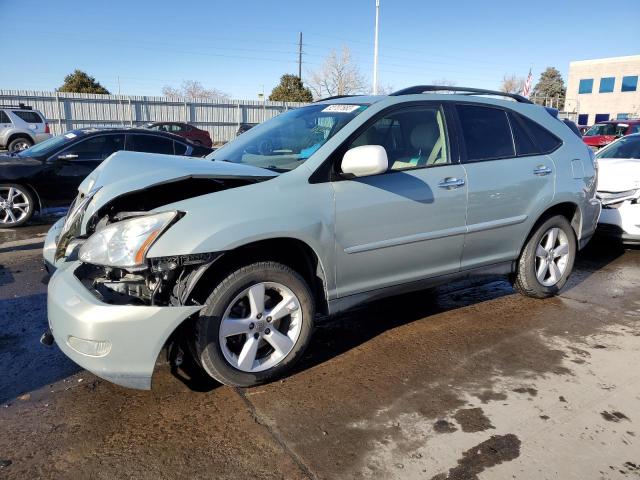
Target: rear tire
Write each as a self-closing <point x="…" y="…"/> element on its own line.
<point x="547" y="259"/>
<point x="255" y="325"/>
<point x="19" y="144"/>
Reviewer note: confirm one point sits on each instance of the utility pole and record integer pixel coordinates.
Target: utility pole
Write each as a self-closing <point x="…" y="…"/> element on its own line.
<point x="375" y="51"/>
<point x="300" y="55"/>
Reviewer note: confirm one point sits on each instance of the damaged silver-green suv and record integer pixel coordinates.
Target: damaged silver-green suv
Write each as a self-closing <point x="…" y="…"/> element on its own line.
<point x="315" y="211"/>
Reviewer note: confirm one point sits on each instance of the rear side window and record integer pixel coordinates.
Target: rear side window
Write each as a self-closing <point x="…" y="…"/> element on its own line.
<point x="149" y="144"/>
<point x="525" y="145"/>
<point x="4" y="118"/>
<point x="29" y="117"/>
<point x="180" y="148"/>
<point x="546" y="141"/>
<point x="486" y="132"/>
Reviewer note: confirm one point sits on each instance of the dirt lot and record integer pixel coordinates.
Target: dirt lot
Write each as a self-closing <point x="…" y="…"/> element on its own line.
<point x="469" y="381"/>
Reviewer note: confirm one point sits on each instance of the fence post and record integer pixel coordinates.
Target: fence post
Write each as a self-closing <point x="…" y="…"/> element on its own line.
<point x="59" y="114"/>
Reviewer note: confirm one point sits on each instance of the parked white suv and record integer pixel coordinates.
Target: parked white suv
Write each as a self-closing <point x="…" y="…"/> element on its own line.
<point x="21" y="127"/>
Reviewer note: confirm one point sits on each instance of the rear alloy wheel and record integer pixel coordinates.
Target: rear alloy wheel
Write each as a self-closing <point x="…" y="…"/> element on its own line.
<point x="19" y="144"/>
<point x="16" y="205"/>
<point x="547" y="259"/>
<point x="255" y="325"/>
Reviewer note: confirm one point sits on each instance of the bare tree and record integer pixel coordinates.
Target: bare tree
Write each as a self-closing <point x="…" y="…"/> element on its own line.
<point x="339" y="75"/>
<point x="194" y="89"/>
<point x="385" y="89"/>
<point x="512" y="84"/>
<point x="445" y="82"/>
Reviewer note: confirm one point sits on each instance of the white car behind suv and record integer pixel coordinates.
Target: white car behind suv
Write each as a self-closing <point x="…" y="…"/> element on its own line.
<point x="619" y="188"/>
<point x="21" y="127"/>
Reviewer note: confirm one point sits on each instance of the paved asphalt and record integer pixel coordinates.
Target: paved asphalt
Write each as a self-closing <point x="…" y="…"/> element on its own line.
<point x="467" y="381"/>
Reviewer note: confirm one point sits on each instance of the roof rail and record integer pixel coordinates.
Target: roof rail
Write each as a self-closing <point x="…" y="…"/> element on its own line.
<point x="417" y="89"/>
<point x="335" y="97"/>
<point x="21" y="106"/>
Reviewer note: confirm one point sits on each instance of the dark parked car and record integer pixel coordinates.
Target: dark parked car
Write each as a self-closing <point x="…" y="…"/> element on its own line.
<point x="48" y="174"/>
<point x="572" y="125"/>
<point x="194" y="134"/>
<point x="245" y="127"/>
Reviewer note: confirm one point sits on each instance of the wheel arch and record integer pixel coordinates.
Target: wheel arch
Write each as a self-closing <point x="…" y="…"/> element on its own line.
<point x="15" y="135"/>
<point x="289" y="251"/>
<point x="569" y="210"/>
<point x="27" y="186"/>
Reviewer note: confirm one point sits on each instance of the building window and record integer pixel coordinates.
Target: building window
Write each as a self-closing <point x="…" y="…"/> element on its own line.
<point x="602" y="117"/>
<point x="622" y="116"/>
<point x="630" y="83"/>
<point x="583" y="119"/>
<point x="606" y="84"/>
<point x="586" y="85"/>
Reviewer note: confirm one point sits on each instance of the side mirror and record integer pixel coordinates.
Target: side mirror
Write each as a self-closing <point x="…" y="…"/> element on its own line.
<point x="365" y="160"/>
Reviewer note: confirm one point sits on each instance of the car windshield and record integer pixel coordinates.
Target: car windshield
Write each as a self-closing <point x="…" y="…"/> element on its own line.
<point x="626" y="147"/>
<point x="48" y="146"/>
<point x="286" y="141"/>
<point x="606" y="129"/>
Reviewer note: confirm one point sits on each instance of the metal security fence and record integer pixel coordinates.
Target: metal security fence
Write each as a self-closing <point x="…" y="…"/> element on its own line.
<point x="68" y="111"/>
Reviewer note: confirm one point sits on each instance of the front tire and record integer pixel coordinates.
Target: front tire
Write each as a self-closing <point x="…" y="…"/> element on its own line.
<point x="16" y="205"/>
<point x="547" y="259"/>
<point x="255" y="325"/>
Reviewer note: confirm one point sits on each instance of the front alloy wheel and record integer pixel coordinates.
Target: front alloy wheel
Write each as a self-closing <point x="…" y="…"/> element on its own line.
<point x="255" y="324"/>
<point x="16" y="205"/>
<point x="260" y="327"/>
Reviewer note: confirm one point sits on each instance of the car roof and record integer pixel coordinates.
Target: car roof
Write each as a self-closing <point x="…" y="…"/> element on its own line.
<point x="435" y="96"/>
<point x="631" y="120"/>
<point x="146" y="131"/>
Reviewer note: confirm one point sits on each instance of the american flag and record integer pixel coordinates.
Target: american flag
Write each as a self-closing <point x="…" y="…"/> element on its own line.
<point x="527" y="85"/>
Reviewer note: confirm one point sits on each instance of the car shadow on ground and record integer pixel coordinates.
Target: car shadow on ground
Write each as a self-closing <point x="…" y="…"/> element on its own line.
<point x="358" y="326"/>
<point x="25" y="363"/>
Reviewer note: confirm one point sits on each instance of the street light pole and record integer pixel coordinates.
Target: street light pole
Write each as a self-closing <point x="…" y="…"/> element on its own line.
<point x="375" y="51"/>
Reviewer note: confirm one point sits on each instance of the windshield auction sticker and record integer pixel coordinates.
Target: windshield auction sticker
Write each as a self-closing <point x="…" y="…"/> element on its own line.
<point x="70" y="135"/>
<point x="339" y="108"/>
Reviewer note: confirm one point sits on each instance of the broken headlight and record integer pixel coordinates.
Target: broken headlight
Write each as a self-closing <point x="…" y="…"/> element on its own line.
<point x="125" y="244"/>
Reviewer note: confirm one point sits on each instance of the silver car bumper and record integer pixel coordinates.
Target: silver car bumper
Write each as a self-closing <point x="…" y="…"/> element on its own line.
<point x="119" y="343"/>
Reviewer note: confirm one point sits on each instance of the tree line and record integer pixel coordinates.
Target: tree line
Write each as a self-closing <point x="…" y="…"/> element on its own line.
<point x="339" y="74"/>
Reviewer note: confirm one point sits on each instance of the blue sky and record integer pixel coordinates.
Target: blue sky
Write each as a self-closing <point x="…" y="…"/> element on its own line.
<point x="241" y="47"/>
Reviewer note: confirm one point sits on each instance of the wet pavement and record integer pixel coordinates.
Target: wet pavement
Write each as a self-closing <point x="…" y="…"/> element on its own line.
<point x="467" y="381"/>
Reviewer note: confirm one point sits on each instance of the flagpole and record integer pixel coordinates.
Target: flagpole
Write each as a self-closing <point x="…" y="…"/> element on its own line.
<point x="375" y="51"/>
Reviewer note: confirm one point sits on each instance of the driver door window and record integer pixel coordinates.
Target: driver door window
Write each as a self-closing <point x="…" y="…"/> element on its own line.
<point x="413" y="138"/>
<point x="96" y="148"/>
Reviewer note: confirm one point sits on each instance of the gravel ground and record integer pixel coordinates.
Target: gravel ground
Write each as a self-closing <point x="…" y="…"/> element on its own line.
<point x="467" y="381"/>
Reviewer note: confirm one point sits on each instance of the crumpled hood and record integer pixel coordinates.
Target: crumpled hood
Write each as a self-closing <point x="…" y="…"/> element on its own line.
<point x="618" y="174"/>
<point x="125" y="172"/>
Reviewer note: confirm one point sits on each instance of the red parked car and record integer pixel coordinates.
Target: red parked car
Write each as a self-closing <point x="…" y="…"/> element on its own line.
<point x="196" y="135"/>
<point x="603" y="133"/>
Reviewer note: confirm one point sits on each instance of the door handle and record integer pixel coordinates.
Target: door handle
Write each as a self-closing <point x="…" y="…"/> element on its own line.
<point x="68" y="156"/>
<point x="450" y="183"/>
<point x="541" y="170"/>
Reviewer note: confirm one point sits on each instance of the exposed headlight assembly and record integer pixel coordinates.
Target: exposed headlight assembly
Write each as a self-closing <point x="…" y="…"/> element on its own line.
<point x="125" y="244"/>
<point x="72" y="222"/>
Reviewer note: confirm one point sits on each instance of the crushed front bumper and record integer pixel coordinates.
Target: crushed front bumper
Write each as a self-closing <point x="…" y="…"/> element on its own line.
<point x="625" y="220"/>
<point x="127" y="339"/>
